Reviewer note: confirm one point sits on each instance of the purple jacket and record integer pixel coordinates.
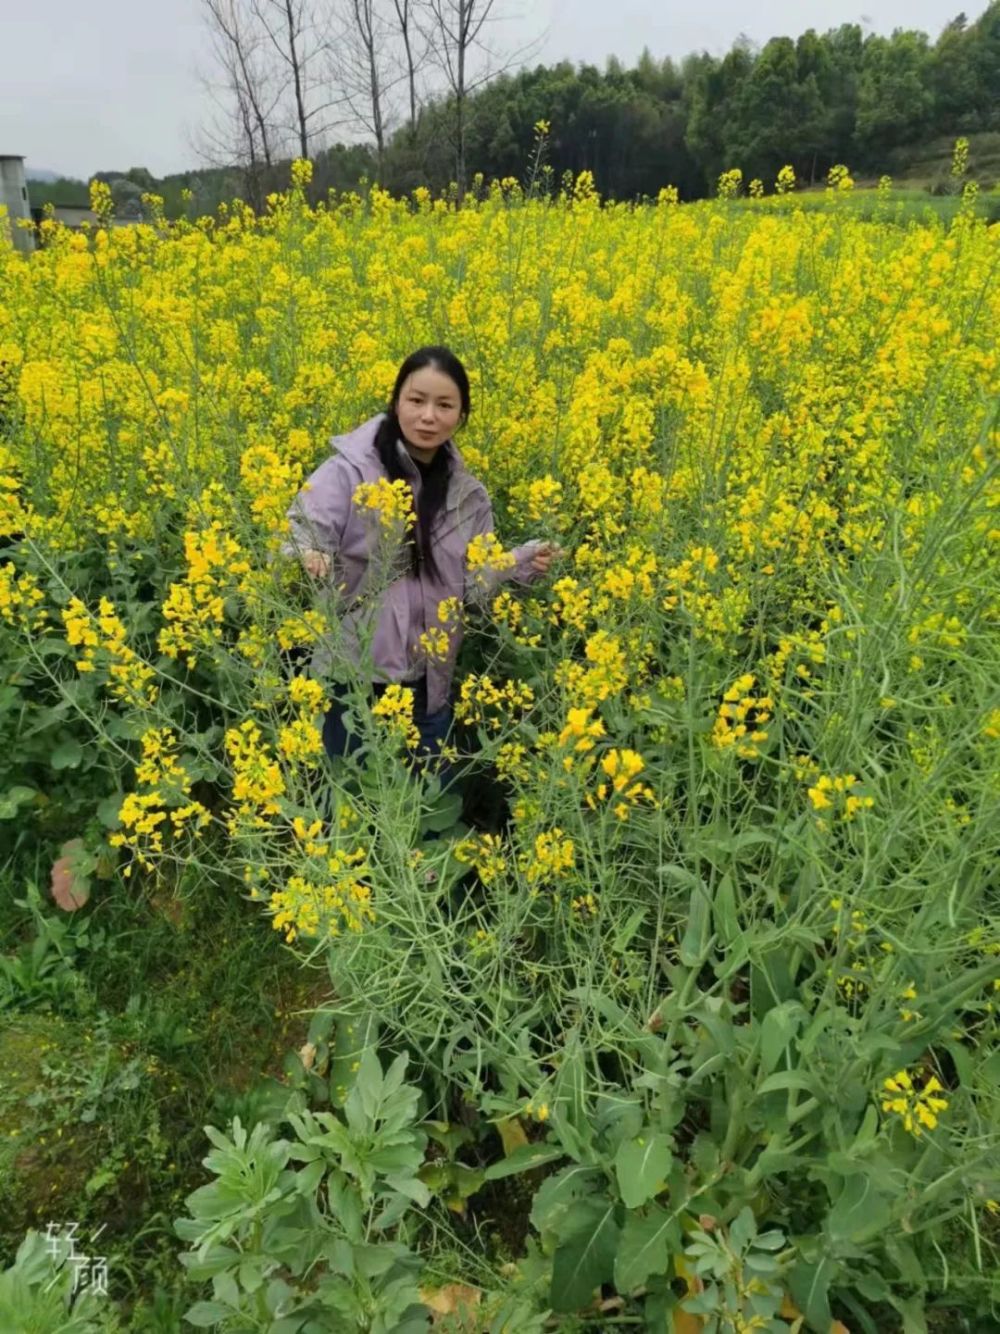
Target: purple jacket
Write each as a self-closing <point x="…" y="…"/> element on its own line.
<point x="396" y="610"/>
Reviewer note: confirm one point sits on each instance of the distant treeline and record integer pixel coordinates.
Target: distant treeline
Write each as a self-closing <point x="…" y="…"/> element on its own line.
<point x="839" y="96"/>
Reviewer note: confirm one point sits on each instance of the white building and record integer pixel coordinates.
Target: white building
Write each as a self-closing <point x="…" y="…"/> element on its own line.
<point x="14" y="195"/>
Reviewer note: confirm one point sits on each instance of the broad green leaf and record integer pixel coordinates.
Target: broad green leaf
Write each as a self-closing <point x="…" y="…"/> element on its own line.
<point x="809" y="1282"/>
<point x="355" y="1032"/>
<point x="778" y="1028"/>
<point x="67" y="754"/>
<point x="226" y="1289"/>
<point x="13" y="799"/>
<point x="648" y="1245"/>
<point x="206" y="1314"/>
<point x="307" y="1180"/>
<point x="641" y="1164"/>
<point x="628" y="930"/>
<point x="412" y="1188"/>
<point x="697" y="938"/>
<point x="724" y="913"/>
<point x="859" y="1213"/>
<point x="523" y="1160"/>
<point x="743" y="1229"/>
<point x="586" y="1259"/>
<point x="108" y="808"/>
<point x="789" y="1079"/>
<point x="557" y="1193"/>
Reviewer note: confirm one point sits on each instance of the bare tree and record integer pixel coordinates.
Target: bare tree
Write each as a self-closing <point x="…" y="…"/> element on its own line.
<point x="245" y="131"/>
<point x="294" y="30"/>
<point x="454" y="30"/>
<point x="409" y="35"/>
<point x="362" y="68"/>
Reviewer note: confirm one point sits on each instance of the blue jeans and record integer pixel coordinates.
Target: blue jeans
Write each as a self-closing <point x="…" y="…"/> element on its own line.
<point x="433" y="729"/>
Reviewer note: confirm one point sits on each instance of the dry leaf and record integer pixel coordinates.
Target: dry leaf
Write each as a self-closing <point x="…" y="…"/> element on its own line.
<point x="307" y="1055"/>
<point x="512" y="1134"/>
<point x="69" y="889"/>
<point x="453" y="1299"/>
<point x="686" y="1323"/>
<point x="838" y="1327"/>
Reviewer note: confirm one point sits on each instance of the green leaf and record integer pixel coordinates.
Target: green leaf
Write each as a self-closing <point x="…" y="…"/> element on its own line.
<point x="227" y="1289"/>
<point x="13" y="799"/>
<point x="743" y="1229"/>
<point x="809" y="1282"/>
<point x="206" y="1314"/>
<point x="356" y="1031"/>
<point x="67" y="755"/>
<point x="523" y="1160"/>
<point x="912" y="1311"/>
<point x="778" y="1028"/>
<point x="628" y="930"/>
<point x="444" y="813"/>
<point x="558" y="1193"/>
<point x="789" y="1079"/>
<point x="412" y="1188"/>
<point x="108" y="808"/>
<point x="641" y="1164"/>
<point x="586" y="1259"/>
<point x="697" y="939"/>
<point x="649" y="1243"/>
<point x="309" y="1177"/>
<point x="724" y="913"/>
<point x="859" y="1213"/>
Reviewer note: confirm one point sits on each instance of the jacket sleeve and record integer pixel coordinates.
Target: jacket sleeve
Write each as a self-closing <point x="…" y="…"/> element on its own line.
<point x="481" y="585"/>
<point x="318" y="514"/>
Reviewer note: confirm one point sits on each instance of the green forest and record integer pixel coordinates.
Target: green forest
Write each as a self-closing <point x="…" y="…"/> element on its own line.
<point x="879" y="104"/>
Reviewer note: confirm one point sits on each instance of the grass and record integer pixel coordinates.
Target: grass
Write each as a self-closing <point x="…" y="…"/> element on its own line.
<point x="134" y="1025"/>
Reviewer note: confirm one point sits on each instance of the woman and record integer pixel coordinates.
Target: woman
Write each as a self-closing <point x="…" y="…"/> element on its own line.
<point x="341" y="540"/>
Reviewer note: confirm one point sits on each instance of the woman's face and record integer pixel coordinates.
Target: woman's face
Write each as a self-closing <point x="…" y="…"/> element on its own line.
<point x="429" y="407"/>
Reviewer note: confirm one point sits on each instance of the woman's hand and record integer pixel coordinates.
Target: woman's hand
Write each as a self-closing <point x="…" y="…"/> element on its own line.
<point x="545" y="554"/>
<point x="316" y="563"/>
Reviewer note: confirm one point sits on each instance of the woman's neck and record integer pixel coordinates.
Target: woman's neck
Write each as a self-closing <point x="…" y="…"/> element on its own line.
<point x="421" y="455"/>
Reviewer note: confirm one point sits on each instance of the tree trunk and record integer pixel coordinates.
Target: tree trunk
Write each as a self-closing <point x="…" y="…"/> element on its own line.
<point x="297" y="78"/>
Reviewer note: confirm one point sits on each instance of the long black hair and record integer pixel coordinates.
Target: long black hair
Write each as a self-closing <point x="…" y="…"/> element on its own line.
<point x="434" y="490"/>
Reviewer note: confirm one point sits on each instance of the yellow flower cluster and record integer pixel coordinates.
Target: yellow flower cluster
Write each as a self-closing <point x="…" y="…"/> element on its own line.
<point x="485" y="853"/>
<point x="393" y="710"/>
<point x="481" y="700"/>
<point x="257" y="780"/>
<point x="485" y="556"/>
<point x="540" y="500"/>
<point x="620" y="784"/>
<point x="580" y="734"/>
<point x="839" y="794"/>
<point x="12" y="514"/>
<point x="742" y="718"/>
<point x="609" y="669"/>
<point x="20" y="599"/>
<point x="328" y="908"/>
<point x="194" y="608"/>
<point x="301" y="741"/>
<point x="146" y="815"/>
<point x="916" y="1107"/>
<point x="390" y="502"/>
<point x="102" y="641"/>
<point x="552" y="857"/>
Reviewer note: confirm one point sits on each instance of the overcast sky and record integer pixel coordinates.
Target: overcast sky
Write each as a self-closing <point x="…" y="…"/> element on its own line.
<point x="87" y="85"/>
